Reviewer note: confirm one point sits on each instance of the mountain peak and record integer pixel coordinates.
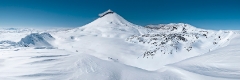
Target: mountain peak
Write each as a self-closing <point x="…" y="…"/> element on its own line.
<point x="109" y="18"/>
<point x="109" y="11"/>
<point x="111" y="24"/>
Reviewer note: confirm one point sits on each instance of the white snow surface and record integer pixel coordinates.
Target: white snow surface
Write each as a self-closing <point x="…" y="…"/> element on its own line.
<point x="111" y="48"/>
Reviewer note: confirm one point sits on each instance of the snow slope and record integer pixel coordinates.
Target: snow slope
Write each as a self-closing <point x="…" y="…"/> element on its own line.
<point x="111" y="48"/>
<point x="222" y="62"/>
<point x="60" y="64"/>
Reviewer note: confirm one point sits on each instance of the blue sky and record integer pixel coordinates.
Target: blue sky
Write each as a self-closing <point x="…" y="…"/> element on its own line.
<point x="207" y="14"/>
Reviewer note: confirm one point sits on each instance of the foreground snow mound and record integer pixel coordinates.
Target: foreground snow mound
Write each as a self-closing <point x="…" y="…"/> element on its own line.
<point x="36" y="40"/>
<point x="86" y="67"/>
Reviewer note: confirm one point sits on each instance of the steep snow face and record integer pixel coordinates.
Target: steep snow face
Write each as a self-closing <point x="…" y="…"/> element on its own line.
<point x="36" y="40"/>
<point x="111" y="25"/>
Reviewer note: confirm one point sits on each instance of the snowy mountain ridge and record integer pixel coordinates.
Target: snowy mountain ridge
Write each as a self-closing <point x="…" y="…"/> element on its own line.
<point x="173" y="34"/>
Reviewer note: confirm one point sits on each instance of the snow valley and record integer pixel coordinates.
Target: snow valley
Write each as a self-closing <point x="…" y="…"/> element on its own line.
<point x="111" y="48"/>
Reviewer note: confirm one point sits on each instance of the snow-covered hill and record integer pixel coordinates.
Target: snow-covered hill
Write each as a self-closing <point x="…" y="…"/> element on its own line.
<point x="36" y="40"/>
<point x="111" y="48"/>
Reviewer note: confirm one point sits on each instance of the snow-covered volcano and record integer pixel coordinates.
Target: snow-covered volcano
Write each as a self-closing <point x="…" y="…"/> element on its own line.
<point x="110" y="24"/>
